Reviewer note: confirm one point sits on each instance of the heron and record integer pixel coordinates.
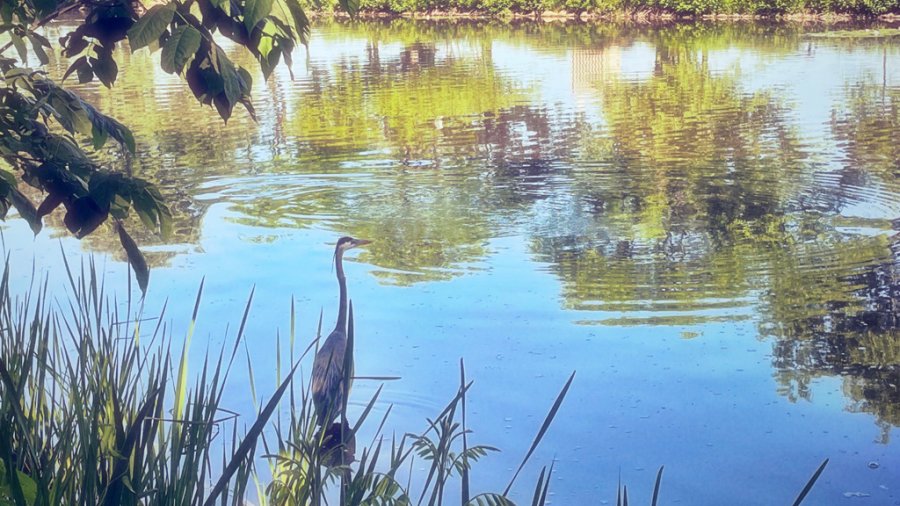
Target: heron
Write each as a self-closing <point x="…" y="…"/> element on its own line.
<point x="328" y="366"/>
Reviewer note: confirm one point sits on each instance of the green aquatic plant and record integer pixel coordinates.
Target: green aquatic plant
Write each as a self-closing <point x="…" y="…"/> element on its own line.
<point x="100" y="408"/>
<point x="87" y="416"/>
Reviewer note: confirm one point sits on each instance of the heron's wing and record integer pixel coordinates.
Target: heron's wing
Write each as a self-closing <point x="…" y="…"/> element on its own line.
<point x="327" y="374"/>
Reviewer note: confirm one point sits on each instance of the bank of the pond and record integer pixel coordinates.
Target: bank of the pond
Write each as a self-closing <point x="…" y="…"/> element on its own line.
<point x="663" y="10"/>
<point x="649" y="16"/>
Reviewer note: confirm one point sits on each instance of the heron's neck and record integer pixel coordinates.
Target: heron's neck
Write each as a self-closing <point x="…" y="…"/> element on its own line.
<point x="341" y="323"/>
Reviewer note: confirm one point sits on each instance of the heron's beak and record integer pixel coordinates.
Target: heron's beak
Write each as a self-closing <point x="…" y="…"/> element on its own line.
<point x="361" y="242"/>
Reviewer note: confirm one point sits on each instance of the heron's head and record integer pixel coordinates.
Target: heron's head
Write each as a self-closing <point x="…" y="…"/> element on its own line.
<point x="345" y="243"/>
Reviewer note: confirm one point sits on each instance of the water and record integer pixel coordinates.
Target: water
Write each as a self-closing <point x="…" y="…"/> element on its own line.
<point x="699" y="219"/>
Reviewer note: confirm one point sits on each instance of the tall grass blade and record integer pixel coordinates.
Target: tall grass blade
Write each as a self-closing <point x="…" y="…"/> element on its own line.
<point x="11" y="474"/>
<point x="116" y="488"/>
<point x="13" y="396"/>
<point x="181" y="382"/>
<point x="538" y="488"/>
<point x="293" y="327"/>
<point x="345" y="398"/>
<point x="464" y="486"/>
<point x="543" y="499"/>
<point x="249" y="441"/>
<point x="365" y="413"/>
<point x="655" y="499"/>
<point x="540" y="435"/>
<point x="619" y="489"/>
<point x="810" y="483"/>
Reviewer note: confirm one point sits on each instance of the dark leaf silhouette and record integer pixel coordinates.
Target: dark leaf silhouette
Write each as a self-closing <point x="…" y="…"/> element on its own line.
<point x="135" y="258"/>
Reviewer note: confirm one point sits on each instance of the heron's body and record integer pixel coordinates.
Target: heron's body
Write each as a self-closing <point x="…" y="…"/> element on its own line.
<point x="328" y="366"/>
<point x="328" y="378"/>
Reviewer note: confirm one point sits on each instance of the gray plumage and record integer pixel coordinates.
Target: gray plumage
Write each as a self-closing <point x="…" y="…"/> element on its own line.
<point x="328" y="366"/>
<point x="328" y="378"/>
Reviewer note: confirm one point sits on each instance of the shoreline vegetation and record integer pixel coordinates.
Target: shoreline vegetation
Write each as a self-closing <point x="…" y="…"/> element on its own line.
<point x="637" y="16"/>
<point x="807" y="11"/>
<point x="828" y="11"/>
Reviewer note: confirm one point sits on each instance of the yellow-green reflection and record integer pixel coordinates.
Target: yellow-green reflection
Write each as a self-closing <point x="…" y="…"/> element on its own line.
<point x="685" y="183"/>
<point x="664" y="175"/>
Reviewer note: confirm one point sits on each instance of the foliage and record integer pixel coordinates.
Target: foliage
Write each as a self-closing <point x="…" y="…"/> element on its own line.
<point x="41" y="122"/>
<point x="88" y="425"/>
<point x="620" y="7"/>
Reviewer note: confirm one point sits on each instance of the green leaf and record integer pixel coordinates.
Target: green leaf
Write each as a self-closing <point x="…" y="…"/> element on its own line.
<point x="247" y="80"/>
<point x="81" y="119"/>
<point x="76" y="115"/>
<point x="119" y="207"/>
<point x="99" y="137"/>
<point x="6" y="11"/>
<point x="8" y="178"/>
<point x="85" y="73"/>
<point x="105" y="186"/>
<point x="180" y="48"/>
<point x="301" y="22"/>
<point x="38" y="46"/>
<point x="45" y="7"/>
<point x="256" y="10"/>
<point x="74" y="45"/>
<point x="126" y="138"/>
<point x="351" y="6"/>
<point x="231" y="81"/>
<point x="76" y="65"/>
<point x="268" y="64"/>
<point x="51" y="202"/>
<point x="27" y="486"/>
<point x="151" y="25"/>
<point x="225" y="5"/>
<point x="135" y="258"/>
<point x="26" y="210"/>
<point x="105" y="69"/>
<point x="165" y="221"/>
<point x="19" y="44"/>
<point x="145" y="206"/>
<point x="264" y="46"/>
<point x="83" y="216"/>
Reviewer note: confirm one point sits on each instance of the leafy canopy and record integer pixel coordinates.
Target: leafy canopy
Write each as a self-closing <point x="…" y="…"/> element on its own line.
<point x="47" y="131"/>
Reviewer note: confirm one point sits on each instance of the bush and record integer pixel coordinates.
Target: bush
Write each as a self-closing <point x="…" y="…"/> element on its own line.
<point x="864" y="7"/>
<point x="690" y="6"/>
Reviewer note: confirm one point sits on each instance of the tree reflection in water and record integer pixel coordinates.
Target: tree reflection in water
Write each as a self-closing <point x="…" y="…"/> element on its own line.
<point x="676" y="196"/>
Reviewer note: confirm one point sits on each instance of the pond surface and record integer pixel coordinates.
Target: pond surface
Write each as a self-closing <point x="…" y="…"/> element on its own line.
<point x="699" y="219"/>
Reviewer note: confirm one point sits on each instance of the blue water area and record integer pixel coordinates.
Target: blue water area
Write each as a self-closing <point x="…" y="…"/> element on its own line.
<point x="699" y="220"/>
